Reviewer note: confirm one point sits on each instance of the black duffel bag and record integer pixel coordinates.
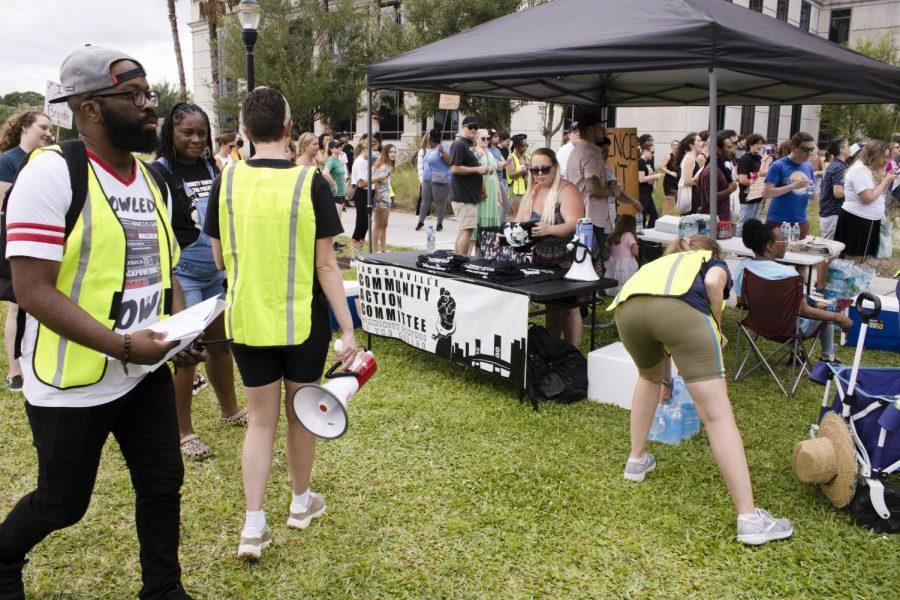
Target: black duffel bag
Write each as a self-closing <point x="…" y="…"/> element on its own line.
<point x="556" y="369"/>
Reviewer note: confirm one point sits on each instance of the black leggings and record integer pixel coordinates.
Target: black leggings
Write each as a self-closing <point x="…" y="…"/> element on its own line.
<point x="650" y="213"/>
<point x="360" y="200"/>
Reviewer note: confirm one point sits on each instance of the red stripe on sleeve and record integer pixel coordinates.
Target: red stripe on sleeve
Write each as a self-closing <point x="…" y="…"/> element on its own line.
<point x="35" y="237"/>
<point x="40" y="226"/>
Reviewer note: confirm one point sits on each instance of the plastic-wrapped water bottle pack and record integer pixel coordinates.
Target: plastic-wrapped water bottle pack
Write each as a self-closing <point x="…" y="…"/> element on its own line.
<point x="846" y="279"/>
<point x="676" y="419"/>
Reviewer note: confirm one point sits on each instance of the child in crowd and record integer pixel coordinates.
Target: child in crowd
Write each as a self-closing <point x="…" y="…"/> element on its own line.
<point x="621" y="251"/>
<point x="381" y="178"/>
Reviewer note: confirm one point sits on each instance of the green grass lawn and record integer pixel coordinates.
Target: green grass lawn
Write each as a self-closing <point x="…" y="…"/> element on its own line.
<point x="447" y="486"/>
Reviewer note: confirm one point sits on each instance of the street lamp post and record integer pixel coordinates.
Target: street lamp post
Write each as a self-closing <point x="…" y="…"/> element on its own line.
<point x="249" y="14"/>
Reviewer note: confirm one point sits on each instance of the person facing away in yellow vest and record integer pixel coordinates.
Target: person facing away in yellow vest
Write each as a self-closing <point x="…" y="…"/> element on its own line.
<point x="272" y="225"/>
<point x="672" y="307"/>
<point x="93" y="271"/>
<point x="517" y="172"/>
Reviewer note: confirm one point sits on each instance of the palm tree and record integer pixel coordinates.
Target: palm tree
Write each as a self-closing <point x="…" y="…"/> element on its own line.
<point x="173" y="21"/>
<point x="213" y="11"/>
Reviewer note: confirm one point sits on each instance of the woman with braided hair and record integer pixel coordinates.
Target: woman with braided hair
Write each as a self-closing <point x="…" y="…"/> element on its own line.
<point x="185" y="160"/>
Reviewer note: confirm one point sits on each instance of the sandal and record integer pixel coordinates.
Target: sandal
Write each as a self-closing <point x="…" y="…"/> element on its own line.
<point x="194" y="448"/>
<point x="240" y="419"/>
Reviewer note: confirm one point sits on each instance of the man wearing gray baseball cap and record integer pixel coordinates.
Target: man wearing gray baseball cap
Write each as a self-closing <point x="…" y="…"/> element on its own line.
<point x="91" y="253"/>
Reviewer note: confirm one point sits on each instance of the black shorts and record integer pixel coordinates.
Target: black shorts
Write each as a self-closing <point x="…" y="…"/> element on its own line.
<point x="859" y="235"/>
<point x="303" y="363"/>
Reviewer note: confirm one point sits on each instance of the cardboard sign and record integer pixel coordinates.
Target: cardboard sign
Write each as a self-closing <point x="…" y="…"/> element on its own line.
<point x="623" y="159"/>
<point x="60" y="114"/>
<point x="448" y="102"/>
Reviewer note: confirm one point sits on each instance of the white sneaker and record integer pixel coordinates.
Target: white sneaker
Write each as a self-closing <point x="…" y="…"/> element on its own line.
<point x="301" y="518"/>
<point x="764" y="528"/>
<point x="253" y="542"/>
<point x="637" y="469"/>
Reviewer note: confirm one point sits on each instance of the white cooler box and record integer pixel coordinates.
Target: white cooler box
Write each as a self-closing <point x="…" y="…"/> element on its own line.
<point x="668" y="224"/>
<point x="612" y="375"/>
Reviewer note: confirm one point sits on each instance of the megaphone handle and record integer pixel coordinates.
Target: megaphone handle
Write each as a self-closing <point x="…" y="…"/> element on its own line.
<point x="333" y="373"/>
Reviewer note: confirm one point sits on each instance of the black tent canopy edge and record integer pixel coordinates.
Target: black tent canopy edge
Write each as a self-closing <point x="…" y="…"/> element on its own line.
<point x="760" y="60"/>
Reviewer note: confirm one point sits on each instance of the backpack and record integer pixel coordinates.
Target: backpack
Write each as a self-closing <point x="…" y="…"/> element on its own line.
<point x="556" y="369"/>
<point x="75" y="155"/>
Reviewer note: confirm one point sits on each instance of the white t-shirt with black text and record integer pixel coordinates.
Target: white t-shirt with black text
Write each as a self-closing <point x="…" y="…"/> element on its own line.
<point x="36" y="217"/>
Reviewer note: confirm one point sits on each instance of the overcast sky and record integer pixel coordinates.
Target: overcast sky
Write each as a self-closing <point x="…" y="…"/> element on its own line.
<point x="38" y="34"/>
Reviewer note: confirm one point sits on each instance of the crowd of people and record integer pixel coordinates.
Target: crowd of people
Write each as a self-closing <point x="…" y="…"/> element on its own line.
<point x="101" y="246"/>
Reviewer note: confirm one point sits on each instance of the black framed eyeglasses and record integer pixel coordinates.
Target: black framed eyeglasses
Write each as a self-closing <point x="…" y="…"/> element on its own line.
<point x="540" y="170"/>
<point x="470" y="127"/>
<point x="139" y="97"/>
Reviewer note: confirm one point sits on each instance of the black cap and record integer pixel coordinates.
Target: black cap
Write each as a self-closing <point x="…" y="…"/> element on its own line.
<point x="470" y="121"/>
<point x="586" y="120"/>
<point x="334" y="144"/>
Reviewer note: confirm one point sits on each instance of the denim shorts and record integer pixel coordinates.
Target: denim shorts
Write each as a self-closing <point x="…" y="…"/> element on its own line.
<point x="199" y="285"/>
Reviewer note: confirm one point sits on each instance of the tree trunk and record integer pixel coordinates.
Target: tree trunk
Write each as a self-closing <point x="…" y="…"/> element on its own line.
<point x="173" y="21"/>
<point x="548" y="129"/>
<point x="214" y="56"/>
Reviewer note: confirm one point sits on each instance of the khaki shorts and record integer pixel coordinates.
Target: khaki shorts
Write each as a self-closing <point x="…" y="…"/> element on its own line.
<point x="466" y="214"/>
<point x="650" y="327"/>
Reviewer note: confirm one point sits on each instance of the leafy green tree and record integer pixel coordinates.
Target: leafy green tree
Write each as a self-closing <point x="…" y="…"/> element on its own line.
<point x="870" y="121"/>
<point x="425" y="21"/>
<point x="28" y="98"/>
<point x="169" y="96"/>
<point x="314" y="52"/>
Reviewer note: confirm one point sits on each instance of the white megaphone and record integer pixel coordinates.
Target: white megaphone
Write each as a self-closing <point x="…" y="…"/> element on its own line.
<point x="582" y="268"/>
<point x="322" y="409"/>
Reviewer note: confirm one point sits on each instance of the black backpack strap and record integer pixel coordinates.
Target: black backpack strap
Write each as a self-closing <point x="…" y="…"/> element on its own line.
<point x="76" y="158"/>
<point x="161" y="182"/>
<point x="75" y="155"/>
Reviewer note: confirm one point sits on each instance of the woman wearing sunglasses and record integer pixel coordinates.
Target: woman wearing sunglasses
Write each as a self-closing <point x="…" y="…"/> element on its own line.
<point x="555" y="205"/>
<point x="488" y="210"/>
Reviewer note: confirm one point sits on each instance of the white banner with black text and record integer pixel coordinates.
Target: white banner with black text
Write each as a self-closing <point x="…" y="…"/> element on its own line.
<point x="470" y="324"/>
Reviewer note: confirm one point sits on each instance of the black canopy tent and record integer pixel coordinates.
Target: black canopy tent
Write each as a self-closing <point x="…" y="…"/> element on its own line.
<point x="641" y="53"/>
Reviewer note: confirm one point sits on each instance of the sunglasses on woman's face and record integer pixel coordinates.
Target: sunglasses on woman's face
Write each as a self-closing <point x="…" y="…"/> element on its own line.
<point x="484" y="139"/>
<point x="540" y="170"/>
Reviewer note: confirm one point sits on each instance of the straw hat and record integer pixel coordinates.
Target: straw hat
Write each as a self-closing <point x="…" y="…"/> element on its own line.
<point x="828" y="460"/>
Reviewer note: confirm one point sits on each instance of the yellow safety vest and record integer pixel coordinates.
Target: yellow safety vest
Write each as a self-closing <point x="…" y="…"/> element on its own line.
<point x="518" y="184"/>
<point x="668" y="276"/>
<point x="92" y="275"/>
<point x="268" y="228"/>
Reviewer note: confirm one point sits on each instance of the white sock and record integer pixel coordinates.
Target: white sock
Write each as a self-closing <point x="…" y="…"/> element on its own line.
<point x="300" y="502"/>
<point x="754" y="516"/>
<point x="255" y="519"/>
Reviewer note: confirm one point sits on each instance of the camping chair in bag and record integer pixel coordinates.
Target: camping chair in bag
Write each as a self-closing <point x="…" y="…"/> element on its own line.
<point x="770" y="309"/>
<point x="868" y="398"/>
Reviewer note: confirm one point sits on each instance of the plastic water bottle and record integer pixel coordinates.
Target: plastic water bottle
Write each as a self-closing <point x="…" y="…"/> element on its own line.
<point x="640" y="223"/>
<point x="795" y="233"/>
<point x="659" y="424"/>
<point x="585" y="231"/>
<point x="430" y="237"/>
<point x="786" y="231"/>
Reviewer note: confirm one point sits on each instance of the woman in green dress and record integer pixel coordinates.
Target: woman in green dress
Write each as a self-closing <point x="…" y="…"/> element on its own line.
<point x="489" y="207"/>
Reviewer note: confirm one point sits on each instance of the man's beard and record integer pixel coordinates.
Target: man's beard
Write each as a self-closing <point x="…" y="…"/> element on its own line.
<point x="129" y="136"/>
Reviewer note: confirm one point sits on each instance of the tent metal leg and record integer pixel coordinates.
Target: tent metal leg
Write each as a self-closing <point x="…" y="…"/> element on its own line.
<point x="369" y="161"/>
<point x="711" y="145"/>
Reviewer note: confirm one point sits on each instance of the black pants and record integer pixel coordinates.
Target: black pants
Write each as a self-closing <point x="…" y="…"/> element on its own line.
<point x="650" y="212"/>
<point x="360" y="201"/>
<point x="69" y="443"/>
